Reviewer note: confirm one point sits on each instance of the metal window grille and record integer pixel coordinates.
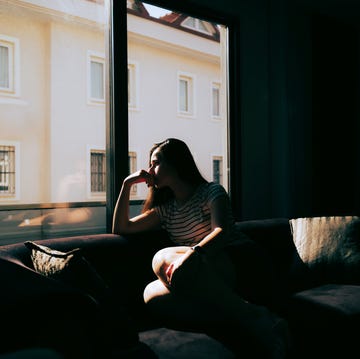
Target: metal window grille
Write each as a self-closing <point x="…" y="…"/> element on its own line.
<point x="7" y="170"/>
<point x="217" y="170"/>
<point x="98" y="171"/>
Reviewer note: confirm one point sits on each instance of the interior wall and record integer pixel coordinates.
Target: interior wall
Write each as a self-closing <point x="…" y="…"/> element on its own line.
<point x="335" y="115"/>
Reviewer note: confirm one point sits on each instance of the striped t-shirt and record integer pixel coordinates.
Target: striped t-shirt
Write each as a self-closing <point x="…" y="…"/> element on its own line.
<point x="188" y="224"/>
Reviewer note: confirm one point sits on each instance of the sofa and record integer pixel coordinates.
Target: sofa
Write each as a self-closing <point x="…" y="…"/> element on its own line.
<point x="81" y="296"/>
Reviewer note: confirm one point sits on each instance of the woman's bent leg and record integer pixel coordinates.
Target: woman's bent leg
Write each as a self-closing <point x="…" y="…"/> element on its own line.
<point x="203" y="289"/>
<point x="175" y="311"/>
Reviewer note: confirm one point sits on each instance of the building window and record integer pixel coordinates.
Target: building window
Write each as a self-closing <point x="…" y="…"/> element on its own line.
<point x="215" y="100"/>
<point x="98" y="171"/>
<point x="196" y="24"/>
<point x="97" y="77"/>
<point x="132" y="85"/>
<point x="218" y="169"/>
<point x="9" y="60"/>
<point x="133" y="168"/>
<point x="9" y="173"/>
<point x="186" y="94"/>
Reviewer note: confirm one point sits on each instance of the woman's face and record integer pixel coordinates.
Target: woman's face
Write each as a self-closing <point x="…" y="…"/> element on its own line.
<point x="163" y="173"/>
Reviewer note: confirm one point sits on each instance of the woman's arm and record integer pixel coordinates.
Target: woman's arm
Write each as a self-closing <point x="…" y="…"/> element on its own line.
<point x="211" y="243"/>
<point x="216" y="239"/>
<point x="122" y="223"/>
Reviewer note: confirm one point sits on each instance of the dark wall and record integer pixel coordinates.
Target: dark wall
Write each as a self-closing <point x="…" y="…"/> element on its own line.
<point x="323" y="94"/>
<point x="335" y="56"/>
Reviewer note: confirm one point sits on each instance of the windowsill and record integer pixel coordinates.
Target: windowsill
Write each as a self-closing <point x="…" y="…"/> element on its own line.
<point x="97" y="196"/>
<point x="186" y="116"/>
<point x="134" y="108"/>
<point x="12" y="101"/>
<point x="9" y="199"/>
<point x="96" y="103"/>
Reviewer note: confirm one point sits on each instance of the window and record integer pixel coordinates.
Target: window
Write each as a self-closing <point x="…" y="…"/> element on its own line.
<point x="196" y="24"/>
<point x="9" y="170"/>
<point x="9" y="69"/>
<point x="98" y="171"/>
<point x="179" y="69"/>
<point x="66" y="69"/>
<point x="132" y="85"/>
<point x="133" y="168"/>
<point x="97" y="77"/>
<point x="217" y="169"/>
<point x="215" y="100"/>
<point x="186" y="94"/>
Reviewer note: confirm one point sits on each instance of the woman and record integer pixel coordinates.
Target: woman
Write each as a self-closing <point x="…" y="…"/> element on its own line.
<point x="196" y="272"/>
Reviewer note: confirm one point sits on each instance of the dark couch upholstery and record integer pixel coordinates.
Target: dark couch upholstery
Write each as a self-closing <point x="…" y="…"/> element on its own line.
<point x="39" y="311"/>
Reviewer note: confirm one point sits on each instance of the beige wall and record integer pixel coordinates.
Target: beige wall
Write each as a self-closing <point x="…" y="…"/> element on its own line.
<point x="51" y="117"/>
<point x="75" y="123"/>
<point x="24" y="117"/>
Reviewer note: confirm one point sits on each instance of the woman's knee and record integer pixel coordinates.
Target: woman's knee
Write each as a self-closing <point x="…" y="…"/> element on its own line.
<point x="159" y="262"/>
<point x="164" y="257"/>
<point x="154" y="291"/>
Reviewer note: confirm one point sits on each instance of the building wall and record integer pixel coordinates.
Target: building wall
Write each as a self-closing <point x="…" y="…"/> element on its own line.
<point x="75" y="122"/>
<point x="24" y="117"/>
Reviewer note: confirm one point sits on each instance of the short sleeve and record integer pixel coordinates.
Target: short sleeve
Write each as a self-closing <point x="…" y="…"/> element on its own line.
<point x="215" y="191"/>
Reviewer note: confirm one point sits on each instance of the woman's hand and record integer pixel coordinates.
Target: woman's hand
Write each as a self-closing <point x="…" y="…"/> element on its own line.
<point x="184" y="270"/>
<point x="140" y="177"/>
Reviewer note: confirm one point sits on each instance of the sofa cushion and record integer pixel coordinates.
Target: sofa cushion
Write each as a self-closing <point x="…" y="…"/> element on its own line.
<point x="336" y="299"/>
<point x="69" y="267"/>
<point x="330" y="246"/>
<point x="326" y="318"/>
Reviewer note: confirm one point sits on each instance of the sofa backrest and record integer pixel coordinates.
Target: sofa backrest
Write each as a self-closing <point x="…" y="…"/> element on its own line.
<point x="275" y="256"/>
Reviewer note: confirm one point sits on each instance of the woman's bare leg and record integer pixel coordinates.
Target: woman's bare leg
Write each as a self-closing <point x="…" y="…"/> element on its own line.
<point x="201" y="289"/>
<point x="204" y="284"/>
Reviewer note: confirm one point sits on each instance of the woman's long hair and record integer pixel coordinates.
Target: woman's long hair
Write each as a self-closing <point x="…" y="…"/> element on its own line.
<point x="178" y="155"/>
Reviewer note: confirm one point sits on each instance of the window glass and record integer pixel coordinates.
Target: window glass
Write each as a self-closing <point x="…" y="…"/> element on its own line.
<point x="215" y="100"/>
<point x="179" y="97"/>
<point x="97" y="80"/>
<point x="132" y="88"/>
<point x="184" y="95"/>
<point x="4" y="66"/>
<point x="53" y="105"/>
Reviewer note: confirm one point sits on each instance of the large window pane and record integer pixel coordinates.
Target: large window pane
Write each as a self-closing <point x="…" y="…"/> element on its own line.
<point x="53" y="65"/>
<point x="181" y="86"/>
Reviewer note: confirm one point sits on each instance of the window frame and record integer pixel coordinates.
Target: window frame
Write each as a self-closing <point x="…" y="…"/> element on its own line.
<point x="197" y="25"/>
<point x="190" y="79"/>
<point x="101" y="195"/>
<point x="117" y="114"/>
<point x="221" y="168"/>
<point x="94" y="56"/>
<point x="118" y="121"/>
<point x="13" y="45"/>
<point x="215" y="85"/>
<point x="133" y="85"/>
<point x="16" y="195"/>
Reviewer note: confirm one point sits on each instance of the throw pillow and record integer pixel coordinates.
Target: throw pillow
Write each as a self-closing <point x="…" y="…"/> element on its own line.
<point x="69" y="267"/>
<point x="330" y="246"/>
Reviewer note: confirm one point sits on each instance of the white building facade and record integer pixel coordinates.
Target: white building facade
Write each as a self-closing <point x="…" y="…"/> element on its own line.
<point x="53" y="67"/>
